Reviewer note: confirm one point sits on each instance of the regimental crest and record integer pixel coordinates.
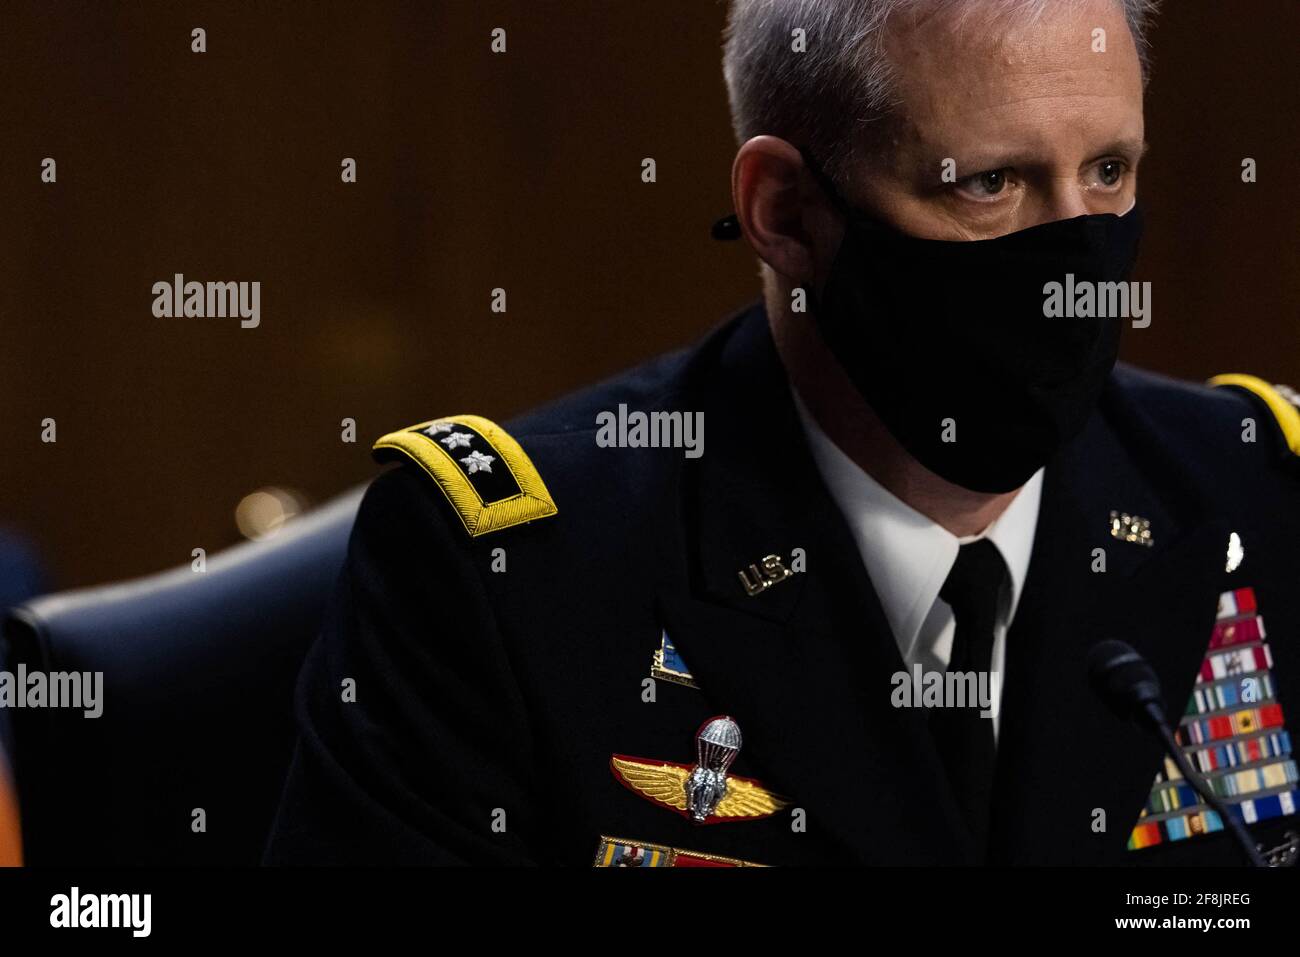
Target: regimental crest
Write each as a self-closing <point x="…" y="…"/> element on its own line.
<point x="621" y="852"/>
<point x="1232" y="732"/>
<point x="705" y="792"/>
<point x="480" y="468"/>
<point x="667" y="664"/>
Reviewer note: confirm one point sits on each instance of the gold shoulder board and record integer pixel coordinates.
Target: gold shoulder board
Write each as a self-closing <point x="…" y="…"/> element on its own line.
<point x="482" y="471"/>
<point x="1282" y="401"/>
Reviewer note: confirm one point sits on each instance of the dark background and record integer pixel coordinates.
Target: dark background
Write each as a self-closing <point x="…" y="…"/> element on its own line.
<point x="475" y="170"/>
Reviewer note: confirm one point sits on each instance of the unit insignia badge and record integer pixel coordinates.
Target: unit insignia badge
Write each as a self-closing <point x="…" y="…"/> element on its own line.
<point x="668" y="665"/>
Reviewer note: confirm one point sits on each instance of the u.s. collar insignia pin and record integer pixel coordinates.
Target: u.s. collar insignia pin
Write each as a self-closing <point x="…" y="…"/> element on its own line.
<point x="1131" y="528"/>
<point x="761" y="576"/>
<point x="704" y="792"/>
<point x="667" y="664"/>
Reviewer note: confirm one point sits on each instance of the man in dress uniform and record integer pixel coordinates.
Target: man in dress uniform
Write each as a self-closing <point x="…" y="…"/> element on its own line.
<point x="830" y="587"/>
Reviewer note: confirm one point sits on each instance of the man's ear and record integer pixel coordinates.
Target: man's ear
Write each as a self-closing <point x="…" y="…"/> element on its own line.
<point x="782" y="212"/>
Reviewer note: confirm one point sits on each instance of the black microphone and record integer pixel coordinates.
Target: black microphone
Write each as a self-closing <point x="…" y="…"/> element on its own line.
<point x="727" y="228"/>
<point x="1124" y="680"/>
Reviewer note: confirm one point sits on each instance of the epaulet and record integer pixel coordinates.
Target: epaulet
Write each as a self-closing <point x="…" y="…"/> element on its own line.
<point x="482" y="471"/>
<point x="1282" y="401"/>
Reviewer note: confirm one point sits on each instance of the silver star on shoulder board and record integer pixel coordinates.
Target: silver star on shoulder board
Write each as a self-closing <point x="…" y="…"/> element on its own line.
<point x="457" y="440"/>
<point x="478" y="462"/>
<point x="437" y="428"/>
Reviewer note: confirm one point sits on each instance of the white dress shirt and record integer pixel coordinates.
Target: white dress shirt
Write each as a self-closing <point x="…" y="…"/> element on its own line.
<point x="908" y="556"/>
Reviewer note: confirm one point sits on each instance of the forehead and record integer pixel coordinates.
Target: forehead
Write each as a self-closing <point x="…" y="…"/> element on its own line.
<point x="971" y="73"/>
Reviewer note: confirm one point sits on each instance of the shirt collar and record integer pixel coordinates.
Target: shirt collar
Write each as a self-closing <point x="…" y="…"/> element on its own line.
<point x="907" y="555"/>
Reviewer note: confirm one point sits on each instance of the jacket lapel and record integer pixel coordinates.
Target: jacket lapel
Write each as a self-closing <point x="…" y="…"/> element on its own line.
<point x="1063" y="756"/>
<point x="805" y="666"/>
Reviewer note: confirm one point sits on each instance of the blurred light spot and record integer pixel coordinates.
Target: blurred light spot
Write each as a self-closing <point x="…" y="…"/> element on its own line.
<point x="262" y="513"/>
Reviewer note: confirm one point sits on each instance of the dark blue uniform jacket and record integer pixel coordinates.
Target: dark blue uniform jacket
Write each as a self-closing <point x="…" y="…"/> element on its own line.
<point x="489" y="703"/>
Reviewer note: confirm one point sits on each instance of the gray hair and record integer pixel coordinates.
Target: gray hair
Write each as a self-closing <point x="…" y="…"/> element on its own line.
<point x="824" y="98"/>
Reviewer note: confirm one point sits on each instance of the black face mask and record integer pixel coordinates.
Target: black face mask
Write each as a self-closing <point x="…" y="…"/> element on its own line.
<point x="949" y="339"/>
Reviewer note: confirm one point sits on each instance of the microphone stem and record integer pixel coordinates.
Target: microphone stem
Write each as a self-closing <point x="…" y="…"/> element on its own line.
<point x="1157" y="716"/>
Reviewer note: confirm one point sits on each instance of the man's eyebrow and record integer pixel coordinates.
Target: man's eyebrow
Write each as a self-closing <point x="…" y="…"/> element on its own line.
<point x="980" y="160"/>
<point x="1129" y="148"/>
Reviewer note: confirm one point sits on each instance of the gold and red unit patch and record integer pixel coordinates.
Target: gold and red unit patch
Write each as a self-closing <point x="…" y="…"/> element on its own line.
<point x="1232" y="732"/>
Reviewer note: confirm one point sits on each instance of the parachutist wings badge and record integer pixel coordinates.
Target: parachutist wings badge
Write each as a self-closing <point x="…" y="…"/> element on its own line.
<point x="704" y="792"/>
<point x="665" y="785"/>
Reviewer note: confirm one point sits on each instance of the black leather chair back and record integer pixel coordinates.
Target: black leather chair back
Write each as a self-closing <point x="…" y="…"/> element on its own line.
<point x="198" y="674"/>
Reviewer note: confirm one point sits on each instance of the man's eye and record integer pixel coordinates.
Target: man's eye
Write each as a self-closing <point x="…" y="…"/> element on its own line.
<point x="1110" y="172"/>
<point x="984" y="185"/>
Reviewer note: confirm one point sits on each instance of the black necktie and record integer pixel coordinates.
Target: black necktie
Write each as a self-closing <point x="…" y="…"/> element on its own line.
<point x="964" y="739"/>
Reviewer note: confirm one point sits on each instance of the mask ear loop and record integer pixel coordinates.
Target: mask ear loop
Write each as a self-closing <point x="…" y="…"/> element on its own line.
<point x="826" y="183"/>
<point x="837" y="201"/>
<point x="867" y="224"/>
